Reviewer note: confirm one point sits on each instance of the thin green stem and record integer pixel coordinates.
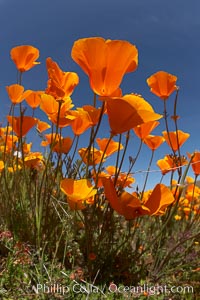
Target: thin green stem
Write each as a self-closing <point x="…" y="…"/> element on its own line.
<point x="50" y="153"/>
<point x="123" y="155"/>
<point x="117" y="160"/>
<point x="133" y="162"/>
<point x="166" y="222"/>
<point x="76" y="137"/>
<point x="92" y="137"/>
<point x="102" y="158"/>
<point x="147" y="175"/>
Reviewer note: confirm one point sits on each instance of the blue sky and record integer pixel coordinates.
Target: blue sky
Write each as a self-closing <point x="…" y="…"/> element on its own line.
<point x="166" y="34"/>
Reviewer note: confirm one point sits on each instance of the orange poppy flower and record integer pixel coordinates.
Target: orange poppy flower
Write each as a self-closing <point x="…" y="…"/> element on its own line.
<point x="51" y="107"/>
<point x="129" y="111"/>
<point x="166" y="165"/>
<point x="153" y="142"/>
<point x="192" y="193"/>
<point x="162" y="84"/>
<point x="125" y="181"/>
<point x="5" y="130"/>
<point x="105" y="62"/>
<point x="159" y="199"/>
<point x="79" y="120"/>
<point x="60" y="144"/>
<point x="10" y="141"/>
<point x="130" y="206"/>
<point x="170" y="163"/>
<point x="27" y="148"/>
<point x="48" y="104"/>
<point x="24" y="57"/>
<point x="60" y="84"/>
<point x="34" y="160"/>
<point x="34" y="99"/>
<point x="78" y="192"/>
<point x="51" y="138"/>
<point x="111" y="195"/>
<point x="189" y="180"/>
<point x="122" y="180"/>
<point x="42" y="126"/>
<point x="97" y="178"/>
<point x="111" y="170"/>
<point x="195" y="162"/>
<point x="111" y="148"/>
<point x="62" y="122"/>
<point x="16" y="93"/>
<point x="21" y="125"/>
<point x="63" y="145"/>
<point x="175" y="139"/>
<point x="93" y="112"/>
<point x="94" y="156"/>
<point x="145" y="129"/>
